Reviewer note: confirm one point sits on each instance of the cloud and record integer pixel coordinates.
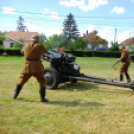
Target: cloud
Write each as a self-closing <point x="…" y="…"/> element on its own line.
<point x="73" y="3"/>
<point x="108" y="33"/>
<point x="132" y="0"/>
<point x="118" y="10"/>
<point x="45" y="11"/>
<point x="8" y="25"/>
<point x="123" y="36"/>
<point x="47" y="31"/>
<point x="93" y="4"/>
<point x="53" y="15"/>
<point x="81" y="4"/>
<point x="8" y="10"/>
<point x="90" y="28"/>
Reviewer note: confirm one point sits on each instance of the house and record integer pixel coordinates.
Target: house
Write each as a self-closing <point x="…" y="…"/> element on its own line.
<point x="88" y="37"/>
<point x="128" y="41"/>
<point x="26" y="36"/>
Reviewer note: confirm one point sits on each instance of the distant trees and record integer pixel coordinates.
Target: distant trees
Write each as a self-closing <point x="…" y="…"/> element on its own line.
<point x="20" y="25"/>
<point x="2" y="37"/>
<point x="129" y="47"/>
<point x="114" y="46"/>
<point x="55" y="41"/>
<point x="78" y="44"/>
<point x="70" y="30"/>
<point x="43" y="38"/>
<point x="96" y="41"/>
<point x="16" y="45"/>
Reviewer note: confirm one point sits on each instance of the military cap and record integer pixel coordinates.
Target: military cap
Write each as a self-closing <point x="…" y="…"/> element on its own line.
<point x="35" y="38"/>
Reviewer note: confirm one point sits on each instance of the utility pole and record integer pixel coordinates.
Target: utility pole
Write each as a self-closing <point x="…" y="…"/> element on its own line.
<point x="115" y="35"/>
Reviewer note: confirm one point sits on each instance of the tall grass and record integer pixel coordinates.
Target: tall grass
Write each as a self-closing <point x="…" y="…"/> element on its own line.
<point x="81" y="108"/>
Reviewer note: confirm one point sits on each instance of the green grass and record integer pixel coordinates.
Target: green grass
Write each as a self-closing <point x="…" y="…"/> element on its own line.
<point x="81" y="108"/>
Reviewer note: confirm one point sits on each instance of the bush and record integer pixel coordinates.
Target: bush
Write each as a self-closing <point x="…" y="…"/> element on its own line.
<point x="77" y="53"/>
<point x="2" y="50"/>
<point x="12" y="52"/>
<point x="88" y="53"/>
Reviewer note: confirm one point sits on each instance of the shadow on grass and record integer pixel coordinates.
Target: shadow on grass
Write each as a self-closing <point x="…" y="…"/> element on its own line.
<point x="26" y="100"/>
<point x="76" y="103"/>
<point x="83" y="86"/>
<point x="80" y="86"/>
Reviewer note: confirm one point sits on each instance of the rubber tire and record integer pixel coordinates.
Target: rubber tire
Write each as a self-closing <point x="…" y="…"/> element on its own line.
<point x="55" y="78"/>
<point x="73" y="80"/>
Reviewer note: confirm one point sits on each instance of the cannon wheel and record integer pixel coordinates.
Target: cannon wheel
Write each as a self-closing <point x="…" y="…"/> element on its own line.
<point x="52" y="78"/>
<point x="73" y="80"/>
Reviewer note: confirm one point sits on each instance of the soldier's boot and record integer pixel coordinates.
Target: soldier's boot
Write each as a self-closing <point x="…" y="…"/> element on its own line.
<point x="121" y="77"/>
<point x="17" y="91"/>
<point x="42" y="94"/>
<point x="128" y="78"/>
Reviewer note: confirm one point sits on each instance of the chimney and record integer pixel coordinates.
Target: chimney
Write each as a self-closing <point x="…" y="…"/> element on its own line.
<point x="83" y="35"/>
<point x="87" y="32"/>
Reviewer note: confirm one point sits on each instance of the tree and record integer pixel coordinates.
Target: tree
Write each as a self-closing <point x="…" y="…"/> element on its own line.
<point x="129" y="47"/>
<point x="16" y="45"/>
<point x="2" y="37"/>
<point x="96" y="41"/>
<point x="20" y="25"/>
<point x="56" y="41"/>
<point x="114" y="46"/>
<point x="70" y="30"/>
<point x="43" y="38"/>
<point x="71" y="45"/>
<point x="80" y="43"/>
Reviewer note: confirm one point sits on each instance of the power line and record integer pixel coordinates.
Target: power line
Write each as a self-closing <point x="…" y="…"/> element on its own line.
<point x="80" y="21"/>
<point x="76" y="16"/>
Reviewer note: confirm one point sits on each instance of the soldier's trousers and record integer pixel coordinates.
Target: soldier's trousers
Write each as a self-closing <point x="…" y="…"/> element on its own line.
<point x="24" y="77"/>
<point x="124" y="69"/>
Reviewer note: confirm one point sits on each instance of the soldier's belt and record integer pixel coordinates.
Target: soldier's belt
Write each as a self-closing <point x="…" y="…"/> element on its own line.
<point x="32" y="59"/>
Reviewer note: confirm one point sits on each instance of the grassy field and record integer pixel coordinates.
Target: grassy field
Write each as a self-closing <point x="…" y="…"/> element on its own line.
<point x="81" y="108"/>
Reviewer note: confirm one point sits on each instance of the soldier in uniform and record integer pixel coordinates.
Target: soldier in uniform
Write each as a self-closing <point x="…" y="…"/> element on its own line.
<point x="32" y="66"/>
<point x="125" y="59"/>
<point x="59" y="52"/>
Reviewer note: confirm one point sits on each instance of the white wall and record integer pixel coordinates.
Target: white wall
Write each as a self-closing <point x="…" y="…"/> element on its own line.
<point x="7" y="43"/>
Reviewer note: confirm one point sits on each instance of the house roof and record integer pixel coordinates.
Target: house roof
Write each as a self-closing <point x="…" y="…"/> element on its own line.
<point x="89" y="36"/>
<point x="128" y="41"/>
<point x="23" y="35"/>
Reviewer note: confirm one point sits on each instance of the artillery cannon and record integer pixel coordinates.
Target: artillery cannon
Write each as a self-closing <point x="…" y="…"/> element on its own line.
<point x="64" y="69"/>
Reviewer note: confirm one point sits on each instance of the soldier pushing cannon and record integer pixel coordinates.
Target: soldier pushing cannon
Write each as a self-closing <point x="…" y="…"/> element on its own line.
<point x="64" y="69"/>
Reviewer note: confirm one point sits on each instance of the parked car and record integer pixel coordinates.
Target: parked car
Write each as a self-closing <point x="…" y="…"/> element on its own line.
<point x="100" y="49"/>
<point x="62" y="48"/>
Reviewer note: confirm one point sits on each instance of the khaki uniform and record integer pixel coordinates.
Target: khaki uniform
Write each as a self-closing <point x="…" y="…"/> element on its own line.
<point x="125" y="61"/>
<point x="32" y="65"/>
<point x="61" y="52"/>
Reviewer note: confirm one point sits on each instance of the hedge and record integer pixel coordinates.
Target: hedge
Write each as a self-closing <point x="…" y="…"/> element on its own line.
<point x="77" y="53"/>
<point x="2" y="50"/>
<point x="10" y="51"/>
<point x="13" y="52"/>
<point x="89" y="53"/>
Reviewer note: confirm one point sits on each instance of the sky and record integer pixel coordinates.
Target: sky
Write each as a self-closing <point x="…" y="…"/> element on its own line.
<point x="113" y="19"/>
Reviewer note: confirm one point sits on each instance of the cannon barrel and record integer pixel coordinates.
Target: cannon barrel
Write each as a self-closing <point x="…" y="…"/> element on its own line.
<point x="20" y="43"/>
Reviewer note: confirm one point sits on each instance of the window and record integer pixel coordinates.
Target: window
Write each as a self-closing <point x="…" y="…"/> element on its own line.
<point x="100" y="46"/>
<point x="11" y="44"/>
<point x="89" y="46"/>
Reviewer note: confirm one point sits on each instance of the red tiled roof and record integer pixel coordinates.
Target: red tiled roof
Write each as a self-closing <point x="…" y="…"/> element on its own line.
<point x="128" y="41"/>
<point x="90" y="36"/>
<point x="23" y="35"/>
